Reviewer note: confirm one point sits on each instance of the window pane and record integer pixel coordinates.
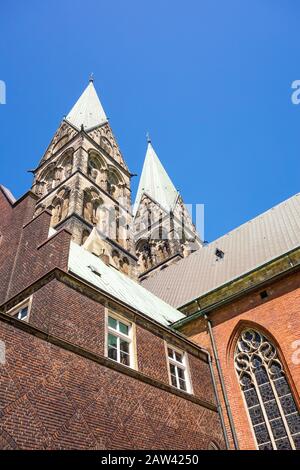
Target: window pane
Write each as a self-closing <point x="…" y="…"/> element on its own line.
<point x="261" y="376"/>
<point x="112" y="340"/>
<point x="272" y="409"/>
<point x="112" y="323"/>
<point x="246" y="382"/>
<point x="170" y="353"/>
<point x="297" y="441"/>
<point x="256" y="415"/>
<point x="173" y="380"/>
<point x="282" y="386"/>
<point x="283" y="444"/>
<point x="278" y="428"/>
<point x="294" y="423"/>
<point x="112" y="353"/>
<point x="261" y="433"/>
<point x="124" y="346"/>
<point x="182" y="384"/>
<point x="124" y="328"/>
<point x="181" y="373"/>
<point x="125" y="359"/>
<point x="23" y="313"/>
<point x="266" y="392"/>
<point x="178" y="356"/>
<point x="288" y="404"/>
<point x="172" y="369"/>
<point x="267" y="446"/>
<point x="251" y="397"/>
<point x="275" y="370"/>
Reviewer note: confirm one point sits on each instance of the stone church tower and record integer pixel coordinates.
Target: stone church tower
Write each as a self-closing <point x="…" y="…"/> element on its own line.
<point x="164" y="231"/>
<point x="84" y="181"/>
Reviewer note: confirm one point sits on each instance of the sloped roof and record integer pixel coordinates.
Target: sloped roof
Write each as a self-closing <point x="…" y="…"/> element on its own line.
<point x="155" y="182"/>
<point x="249" y="246"/>
<point x="82" y="263"/>
<point x="8" y="194"/>
<point x="88" y="110"/>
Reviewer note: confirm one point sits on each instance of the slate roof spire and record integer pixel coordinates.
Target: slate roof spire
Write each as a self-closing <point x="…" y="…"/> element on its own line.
<point x="87" y="111"/>
<point x="155" y="182"/>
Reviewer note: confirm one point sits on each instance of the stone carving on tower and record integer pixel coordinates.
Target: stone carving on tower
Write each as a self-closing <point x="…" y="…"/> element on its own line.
<point x="84" y="181"/>
<point x="164" y="231"/>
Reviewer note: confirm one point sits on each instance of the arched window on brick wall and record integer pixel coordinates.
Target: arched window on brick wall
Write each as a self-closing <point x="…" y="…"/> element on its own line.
<point x="268" y="398"/>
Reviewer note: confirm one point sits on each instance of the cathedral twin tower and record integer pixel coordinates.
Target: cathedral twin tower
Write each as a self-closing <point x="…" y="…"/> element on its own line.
<point x="85" y="182"/>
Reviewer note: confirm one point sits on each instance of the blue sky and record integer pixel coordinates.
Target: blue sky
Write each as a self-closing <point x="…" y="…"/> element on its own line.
<point x="210" y="80"/>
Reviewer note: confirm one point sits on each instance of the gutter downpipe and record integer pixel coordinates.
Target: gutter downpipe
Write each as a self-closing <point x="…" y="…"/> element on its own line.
<point x="220" y="374"/>
<point x="220" y="412"/>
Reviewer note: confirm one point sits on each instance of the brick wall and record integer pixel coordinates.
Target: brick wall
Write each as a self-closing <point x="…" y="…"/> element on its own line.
<point x="61" y="311"/>
<point x="12" y="218"/>
<point x="151" y="355"/>
<point x="26" y="253"/>
<point x="278" y="317"/>
<point x="52" y="398"/>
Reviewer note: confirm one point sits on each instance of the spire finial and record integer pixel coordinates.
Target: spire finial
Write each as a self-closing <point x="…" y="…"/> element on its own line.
<point x="148" y="138"/>
<point x="91" y="79"/>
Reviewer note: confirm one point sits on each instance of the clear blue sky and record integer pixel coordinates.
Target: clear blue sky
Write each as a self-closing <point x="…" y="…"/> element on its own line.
<point x="210" y="80"/>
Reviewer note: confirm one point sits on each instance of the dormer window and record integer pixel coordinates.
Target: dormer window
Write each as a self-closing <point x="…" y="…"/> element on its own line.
<point x="219" y="254"/>
<point x="22" y="314"/>
<point x="21" y="311"/>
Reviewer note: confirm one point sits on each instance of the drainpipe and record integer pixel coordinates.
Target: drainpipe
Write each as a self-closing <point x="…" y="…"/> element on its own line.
<point x="220" y="374"/>
<point x="220" y="412"/>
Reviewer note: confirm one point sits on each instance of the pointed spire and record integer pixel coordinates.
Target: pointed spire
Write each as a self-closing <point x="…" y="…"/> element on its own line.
<point x="87" y="111"/>
<point x="155" y="182"/>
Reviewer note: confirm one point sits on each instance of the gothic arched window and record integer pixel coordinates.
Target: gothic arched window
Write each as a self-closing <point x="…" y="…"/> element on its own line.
<point x="112" y="183"/>
<point x="95" y="164"/>
<point x="268" y="397"/>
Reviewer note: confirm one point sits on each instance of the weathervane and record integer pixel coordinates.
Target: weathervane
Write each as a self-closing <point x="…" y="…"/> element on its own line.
<point x="91" y="77"/>
<point x="148" y="138"/>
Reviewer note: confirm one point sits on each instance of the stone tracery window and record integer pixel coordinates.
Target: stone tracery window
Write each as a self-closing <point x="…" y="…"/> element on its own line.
<point x="268" y="397"/>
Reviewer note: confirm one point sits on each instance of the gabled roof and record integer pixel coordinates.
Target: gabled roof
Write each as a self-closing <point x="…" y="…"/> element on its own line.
<point x="253" y="244"/>
<point x="92" y="269"/>
<point x="88" y="110"/>
<point x="156" y="183"/>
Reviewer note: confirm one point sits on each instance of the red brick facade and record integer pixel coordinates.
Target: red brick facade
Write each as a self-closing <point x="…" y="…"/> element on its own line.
<point x="277" y="317"/>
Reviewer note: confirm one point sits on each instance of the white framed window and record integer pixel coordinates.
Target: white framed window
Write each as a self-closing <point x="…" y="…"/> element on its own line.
<point x="178" y="369"/>
<point x="21" y="311"/>
<point x="119" y="340"/>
